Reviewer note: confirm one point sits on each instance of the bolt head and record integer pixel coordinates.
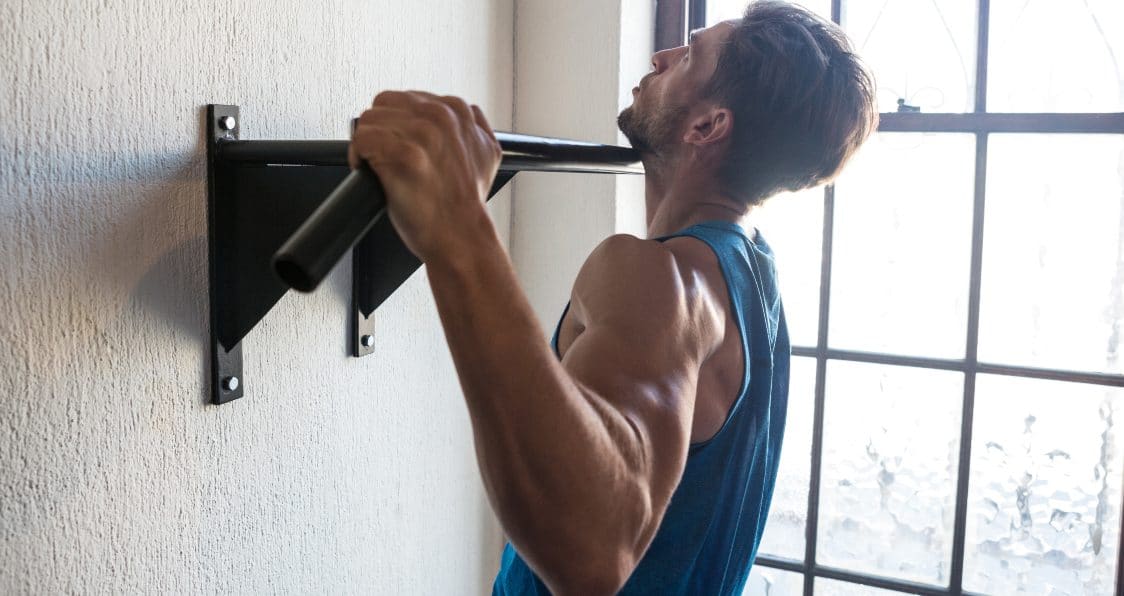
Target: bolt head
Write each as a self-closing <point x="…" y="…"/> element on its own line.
<point x="367" y="341"/>
<point x="228" y="122"/>
<point x="230" y="383"/>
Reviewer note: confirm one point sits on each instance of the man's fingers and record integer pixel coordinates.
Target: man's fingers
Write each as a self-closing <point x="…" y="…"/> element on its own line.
<point x="425" y="121"/>
<point x="459" y="107"/>
<point x="381" y="146"/>
<point x="400" y="99"/>
<point x="481" y="121"/>
<point x="417" y="124"/>
<point x="384" y="113"/>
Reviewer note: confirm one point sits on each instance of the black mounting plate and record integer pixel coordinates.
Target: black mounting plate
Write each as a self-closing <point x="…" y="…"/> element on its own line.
<point x="252" y="210"/>
<point x="226" y="360"/>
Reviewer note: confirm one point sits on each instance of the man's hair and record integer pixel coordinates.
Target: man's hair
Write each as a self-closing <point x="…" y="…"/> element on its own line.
<point x="802" y="101"/>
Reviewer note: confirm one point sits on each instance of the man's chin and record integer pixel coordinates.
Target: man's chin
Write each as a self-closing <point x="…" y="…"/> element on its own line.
<point x="625" y="125"/>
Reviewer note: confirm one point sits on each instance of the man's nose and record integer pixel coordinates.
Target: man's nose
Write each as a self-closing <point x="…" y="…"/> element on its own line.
<point x="661" y="59"/>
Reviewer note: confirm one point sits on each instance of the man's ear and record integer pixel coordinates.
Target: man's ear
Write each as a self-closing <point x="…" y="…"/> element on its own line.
<point x="710" y="126"/>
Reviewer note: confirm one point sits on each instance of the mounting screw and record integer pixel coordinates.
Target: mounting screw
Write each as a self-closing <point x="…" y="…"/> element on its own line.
<point x="367" y="341"/>
<point x="230" y="383"/>
<point x="228" y="122"/>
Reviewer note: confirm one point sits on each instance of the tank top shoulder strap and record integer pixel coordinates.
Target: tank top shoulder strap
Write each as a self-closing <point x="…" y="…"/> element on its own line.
<point x="732" y="247"/>
<point x="749" y="271"/>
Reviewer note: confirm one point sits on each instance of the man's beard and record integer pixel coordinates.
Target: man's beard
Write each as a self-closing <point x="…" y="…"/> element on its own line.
<point x="651" y="133"/>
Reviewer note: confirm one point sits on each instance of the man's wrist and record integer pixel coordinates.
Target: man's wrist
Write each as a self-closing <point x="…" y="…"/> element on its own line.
<point x="460" y="251"/>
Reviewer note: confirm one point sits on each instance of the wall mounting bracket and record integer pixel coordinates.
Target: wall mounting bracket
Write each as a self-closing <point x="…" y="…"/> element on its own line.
<point x="281" y="214"/>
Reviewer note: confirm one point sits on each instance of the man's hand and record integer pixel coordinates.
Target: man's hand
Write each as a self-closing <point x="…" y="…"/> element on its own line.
<point x="436" y="158"/>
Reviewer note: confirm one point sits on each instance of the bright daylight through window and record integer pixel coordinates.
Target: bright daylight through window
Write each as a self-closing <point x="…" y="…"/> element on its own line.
<point x="956" y="303"/>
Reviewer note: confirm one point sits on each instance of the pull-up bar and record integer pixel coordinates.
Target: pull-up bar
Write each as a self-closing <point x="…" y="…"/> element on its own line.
<point x="359" y="201"/>
<point x="282" y="213"/>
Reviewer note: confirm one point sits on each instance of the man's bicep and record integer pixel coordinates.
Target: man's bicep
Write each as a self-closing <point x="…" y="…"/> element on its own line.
<point x="632" y="368"/>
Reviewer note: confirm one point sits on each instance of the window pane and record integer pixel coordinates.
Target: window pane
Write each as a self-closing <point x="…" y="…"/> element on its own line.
<point x="902" y="248"/>
<point x="764" y="581"/>
<point x="1053" y="270"/>
<point x="921" y="51"/>
<point x="833" y="587"/>
<point x="1056" y="56"/>
<point x="891" y="452"/>
<point x="724" y="10"/>
<point x="792" y="224"/>
<point x="1044" y="497"/>
<point x="784" y="530"/>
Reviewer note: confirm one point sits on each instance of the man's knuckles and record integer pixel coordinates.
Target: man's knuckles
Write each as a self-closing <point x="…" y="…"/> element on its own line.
<point x="460" y="108"/>
<point x="394" y="98"/>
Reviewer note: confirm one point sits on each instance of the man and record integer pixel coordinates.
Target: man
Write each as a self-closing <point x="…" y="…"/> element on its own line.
<point x="640" y="454"/>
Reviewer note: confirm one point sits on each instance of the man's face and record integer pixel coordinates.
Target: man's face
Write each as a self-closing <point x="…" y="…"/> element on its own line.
<point x="663" y="100"/>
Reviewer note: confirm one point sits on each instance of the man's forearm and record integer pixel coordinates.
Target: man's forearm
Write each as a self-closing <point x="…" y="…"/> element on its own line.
<point x="559" y="463"/>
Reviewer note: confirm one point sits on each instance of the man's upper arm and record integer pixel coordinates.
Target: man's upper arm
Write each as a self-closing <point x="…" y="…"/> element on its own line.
<point x="649" y="324"/>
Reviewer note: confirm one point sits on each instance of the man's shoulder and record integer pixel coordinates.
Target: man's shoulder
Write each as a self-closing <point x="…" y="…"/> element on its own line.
<point x="672" y="279"/>
<point x="679" y="261"/>
<point x="625" y="262"/>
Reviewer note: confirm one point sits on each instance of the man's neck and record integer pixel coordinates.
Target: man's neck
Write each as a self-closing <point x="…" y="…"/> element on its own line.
<point x="676" y="198"/>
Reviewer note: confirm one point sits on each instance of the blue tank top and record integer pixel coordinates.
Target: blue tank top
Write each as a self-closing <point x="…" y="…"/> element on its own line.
<point x="708" y="538"/>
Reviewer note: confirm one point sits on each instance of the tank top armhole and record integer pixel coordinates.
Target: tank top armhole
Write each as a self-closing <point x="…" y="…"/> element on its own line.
<point x="739" y="317"/>
<point x="557" y="330"/>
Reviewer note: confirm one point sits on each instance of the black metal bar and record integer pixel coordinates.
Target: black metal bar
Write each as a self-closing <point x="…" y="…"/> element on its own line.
<point x="354" y="207"/>
<point x="671" y="24"/>
<point x="811" y="526"/>
<point x="1111" y="123"/>
<point x="520" y="153"/>
<point x="285" y="152"/>
<point x="837" y="11"/>
<point x="349" y="212"/>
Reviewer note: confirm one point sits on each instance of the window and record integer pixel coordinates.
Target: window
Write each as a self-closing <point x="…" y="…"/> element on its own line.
<point x="956" y="305"/>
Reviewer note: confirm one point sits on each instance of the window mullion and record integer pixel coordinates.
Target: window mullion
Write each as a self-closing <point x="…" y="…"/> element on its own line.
<point x="811" y="524"/>
<point x="960" y="520"/>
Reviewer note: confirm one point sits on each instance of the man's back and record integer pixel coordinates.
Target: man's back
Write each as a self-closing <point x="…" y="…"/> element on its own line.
<point x="711" y="528"/>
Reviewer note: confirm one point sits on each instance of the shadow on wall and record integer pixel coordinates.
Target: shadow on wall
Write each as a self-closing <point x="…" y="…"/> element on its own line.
<point x="109" y="254"/>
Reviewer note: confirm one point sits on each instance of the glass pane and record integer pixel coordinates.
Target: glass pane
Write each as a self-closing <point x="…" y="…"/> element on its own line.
<point x="891" y="447"/>
<point x="1053" y="272"/>
<point x="1044" y="496"/>
<point x="764" y="581"/>
<point x="724" y="10"/>
<point x="902" y="246"/>
<point x="792" y="224"/>
<point x="923" y="52"/>
<point x="784" y="530"/>
<point x="1051" y="56"/>
<point x="833" y="587"/>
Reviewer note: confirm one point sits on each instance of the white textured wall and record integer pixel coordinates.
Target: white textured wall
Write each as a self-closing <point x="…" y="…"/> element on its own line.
<point x="333" y="474"/>
<point x="576" y="64"/>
